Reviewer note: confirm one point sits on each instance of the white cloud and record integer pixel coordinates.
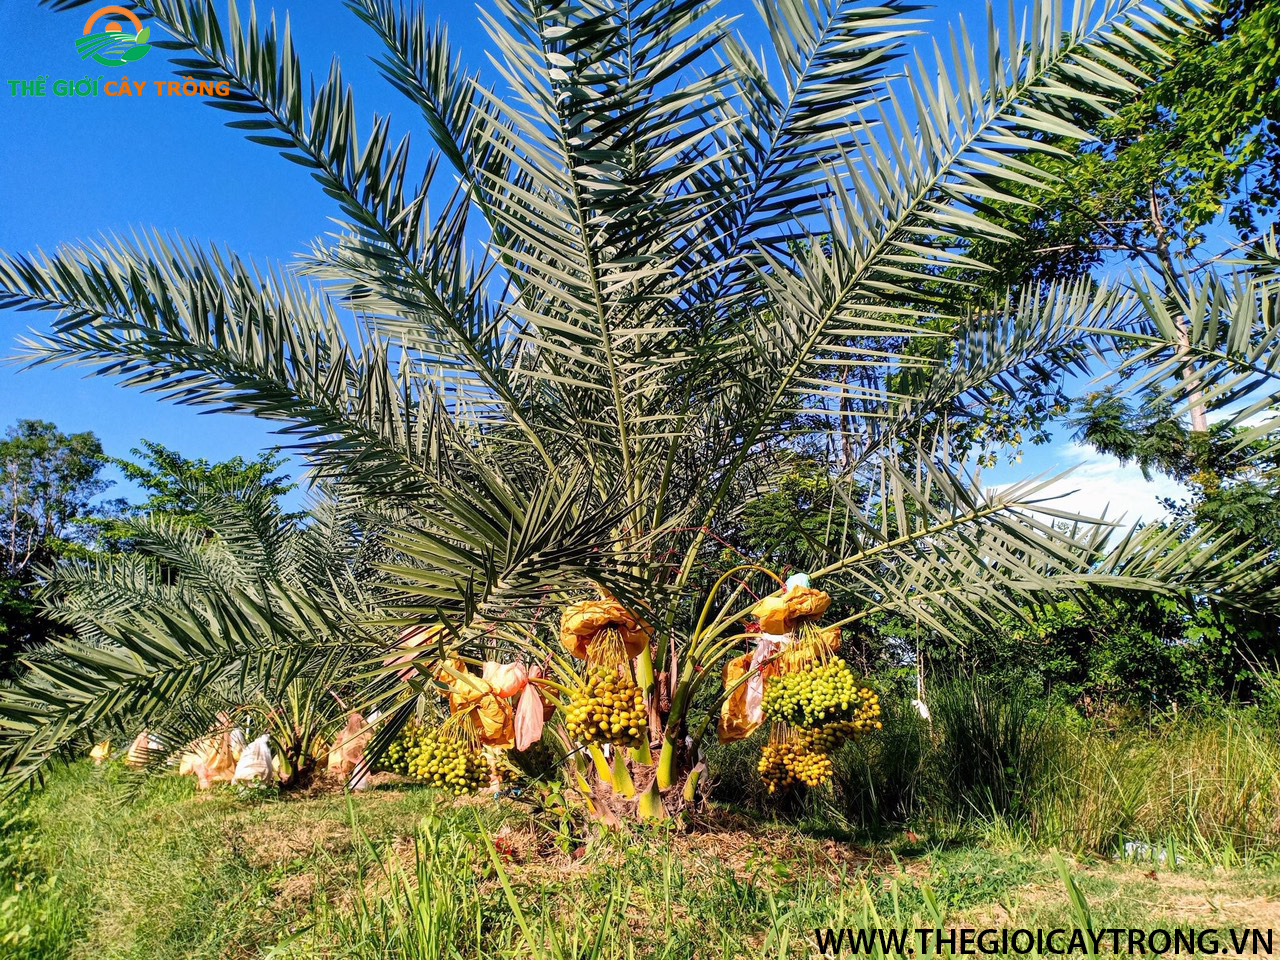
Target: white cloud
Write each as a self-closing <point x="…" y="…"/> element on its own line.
<point x="1099" y="484"/>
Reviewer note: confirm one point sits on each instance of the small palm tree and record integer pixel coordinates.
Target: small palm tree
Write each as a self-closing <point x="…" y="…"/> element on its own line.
<point x="242" y="611"/>
<point x="559" y="356"/>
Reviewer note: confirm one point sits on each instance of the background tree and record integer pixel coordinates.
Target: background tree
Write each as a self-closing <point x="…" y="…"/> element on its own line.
<point x="1180" y="176"/>
<point x="49" y="482"/>
<point x="168" y="479"/>
<point x="1191" y="158"/>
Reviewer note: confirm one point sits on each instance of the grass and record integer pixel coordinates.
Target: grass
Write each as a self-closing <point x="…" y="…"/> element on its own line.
<point x="113" y="867"/>
<point x="1210" y="789"/>
<point x="148" y="869"/>
<point x="34" y="921"/>
<point x="1206" y="787"/>
<point x="956" y="823"/>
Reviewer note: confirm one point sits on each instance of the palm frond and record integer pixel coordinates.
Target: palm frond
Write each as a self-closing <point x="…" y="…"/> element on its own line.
<point x="158" y="657"/>
<point x="208" y="330"/>
<point x="958" y="557"/>
<point x="896" y="207"/>
<point x="1215" y="344"/>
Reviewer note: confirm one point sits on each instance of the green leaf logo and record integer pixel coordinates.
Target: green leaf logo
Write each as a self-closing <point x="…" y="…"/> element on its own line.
<point x="113" y="45"/>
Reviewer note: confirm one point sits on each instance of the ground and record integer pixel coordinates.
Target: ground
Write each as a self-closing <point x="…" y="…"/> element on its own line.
<point x="151" y="869"/>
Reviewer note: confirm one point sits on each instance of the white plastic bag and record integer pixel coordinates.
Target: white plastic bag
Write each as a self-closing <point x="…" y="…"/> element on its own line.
<point x="768" y="646"/>
<point x="255" y="763"/>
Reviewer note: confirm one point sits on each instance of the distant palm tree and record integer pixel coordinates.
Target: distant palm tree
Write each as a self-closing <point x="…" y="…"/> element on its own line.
<point x="561" y="354"/>
<point x="240" y="609"/>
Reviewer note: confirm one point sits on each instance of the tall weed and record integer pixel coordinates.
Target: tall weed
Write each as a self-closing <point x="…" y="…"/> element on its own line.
<point x="992" y="754"/>
<point x="1211" y="785"/>
<point x="987" y="745"/>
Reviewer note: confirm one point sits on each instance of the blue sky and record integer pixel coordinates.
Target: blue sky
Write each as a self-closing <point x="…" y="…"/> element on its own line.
<point x="74" y="169"/>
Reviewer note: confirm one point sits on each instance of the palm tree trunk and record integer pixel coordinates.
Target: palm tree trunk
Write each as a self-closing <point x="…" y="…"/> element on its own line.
<point x="1199" y="418"/>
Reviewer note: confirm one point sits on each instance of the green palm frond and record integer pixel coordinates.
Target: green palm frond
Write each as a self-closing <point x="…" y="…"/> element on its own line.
<point x="1216" y="343"/>
<point x="957" y="556"/>
<point x="91" y="592"/>
<point x="898" y="205"/>
<point x="833" y="60"/>
<point x="158" y="657"/>
<point x="208" y="330"/>
<point x="559" y="541"/>
<point x="237" y="607"/>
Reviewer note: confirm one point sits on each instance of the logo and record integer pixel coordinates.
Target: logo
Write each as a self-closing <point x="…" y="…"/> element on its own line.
<point x="113" y="45"/>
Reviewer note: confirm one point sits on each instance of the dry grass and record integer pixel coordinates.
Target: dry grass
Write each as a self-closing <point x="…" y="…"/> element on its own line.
<point x="1123" y="895"/>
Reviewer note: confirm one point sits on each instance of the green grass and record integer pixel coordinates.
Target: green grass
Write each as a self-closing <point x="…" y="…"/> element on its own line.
<point x="992" y="760"/>
<point x="1209" y="788"/>
<point x="34" y="920"/>
<point x="145" y="868"/>
<point x="120" y="867"/>
<point x="101" y="864"/>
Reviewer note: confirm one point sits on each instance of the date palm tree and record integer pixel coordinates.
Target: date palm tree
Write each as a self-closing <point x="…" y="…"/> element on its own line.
<point x="240" y="611"/>
<point x="563" y="351"/>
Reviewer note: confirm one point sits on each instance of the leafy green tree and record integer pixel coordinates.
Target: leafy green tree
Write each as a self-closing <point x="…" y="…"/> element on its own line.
<point x="556" y="360"/>
<point x="1192" y="157"/>
<point x="1122" y="648"/>
<point x="1197" y="148"/>
<point x="49" y="482"/>
<point x="168" y="479"/>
